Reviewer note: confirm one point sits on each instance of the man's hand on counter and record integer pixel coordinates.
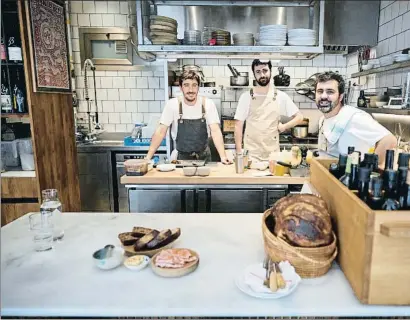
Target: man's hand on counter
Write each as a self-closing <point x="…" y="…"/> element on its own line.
<point x="225" y="160"/>
<point x="281" y="127"/>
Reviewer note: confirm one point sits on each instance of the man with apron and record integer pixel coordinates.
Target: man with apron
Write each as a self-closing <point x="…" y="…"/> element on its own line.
<point x="192" y="121"/>
<point x="343" y="126"/>
<point x="262" y="108"/>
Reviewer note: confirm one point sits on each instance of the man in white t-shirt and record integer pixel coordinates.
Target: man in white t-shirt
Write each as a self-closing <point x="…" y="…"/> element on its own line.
<point x="343" y="126"/>
<point x="193" y="119"/>
<point x="261" y="108"/>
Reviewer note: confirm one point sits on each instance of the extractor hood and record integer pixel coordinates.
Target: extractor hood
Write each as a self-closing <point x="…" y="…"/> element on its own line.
<point x="234" y="16"/>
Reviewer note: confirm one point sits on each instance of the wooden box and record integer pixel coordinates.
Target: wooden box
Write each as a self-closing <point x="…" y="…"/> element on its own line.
<point x="374" y="246"/>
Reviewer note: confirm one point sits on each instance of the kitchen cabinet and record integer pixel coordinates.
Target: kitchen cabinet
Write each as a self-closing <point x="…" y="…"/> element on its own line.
<point x="161" y="200"/>
<point x="204" y="198"/>
<point x="95" y="181"/>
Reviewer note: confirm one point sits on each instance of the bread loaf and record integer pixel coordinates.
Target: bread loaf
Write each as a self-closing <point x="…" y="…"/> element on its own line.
<point x="302" y="220"/>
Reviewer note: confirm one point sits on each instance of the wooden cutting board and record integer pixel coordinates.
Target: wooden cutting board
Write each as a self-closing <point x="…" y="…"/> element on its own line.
<point x="163" y="23"/>
<point x="164" y="19"/>
<point x="175" y="272"/>
<point x="160" y="27"/>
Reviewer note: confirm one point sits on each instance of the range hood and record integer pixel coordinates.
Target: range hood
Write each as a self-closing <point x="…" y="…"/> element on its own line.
<point x="233" y="16"/>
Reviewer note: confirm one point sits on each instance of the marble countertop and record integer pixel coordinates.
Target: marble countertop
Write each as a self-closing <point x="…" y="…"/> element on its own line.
<point x="64" y="282"/>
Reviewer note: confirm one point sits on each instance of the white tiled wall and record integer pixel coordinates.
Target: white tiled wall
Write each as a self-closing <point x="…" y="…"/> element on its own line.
<point x="124" y="97"/>
<point x="394" y="36"/>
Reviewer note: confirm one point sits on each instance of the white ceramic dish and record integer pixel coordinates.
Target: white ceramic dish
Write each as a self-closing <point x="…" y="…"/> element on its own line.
<point x="106" y="260"/>
<point x="380" y="104"/>
<point x="130" y="264"/>
<point x="165" y="167"/>
<point x="257" y="271"/>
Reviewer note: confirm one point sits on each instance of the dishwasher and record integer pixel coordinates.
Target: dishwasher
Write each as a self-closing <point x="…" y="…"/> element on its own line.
<point x="120" y="191"/>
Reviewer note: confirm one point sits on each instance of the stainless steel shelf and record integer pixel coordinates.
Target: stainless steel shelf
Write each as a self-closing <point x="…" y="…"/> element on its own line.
<point x="394" y="66"/>
<point x="257" y="3"/>
<point x="282" y="52"/>
<point x="401" y="112"/>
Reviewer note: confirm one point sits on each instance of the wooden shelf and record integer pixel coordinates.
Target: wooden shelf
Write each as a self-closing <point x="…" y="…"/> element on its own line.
<point x="401" y="112"/>
<point x="12" y="64"/>
<point x="394" y="66"/>
<point x="15" y="115"/>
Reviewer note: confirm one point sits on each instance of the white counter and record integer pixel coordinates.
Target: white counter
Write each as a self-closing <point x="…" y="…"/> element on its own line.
<point x="18" y="174"/>
<point x="64" y="281"/>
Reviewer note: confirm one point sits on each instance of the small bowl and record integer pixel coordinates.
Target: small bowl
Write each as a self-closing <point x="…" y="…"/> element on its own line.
<point x="108" y="257"/>
<point x="131" y="263"/>
<point x="165" y="167"/>
<point x="189" y="171"/>
<point x="203" y="171"/>
<point x="380" y="104"/>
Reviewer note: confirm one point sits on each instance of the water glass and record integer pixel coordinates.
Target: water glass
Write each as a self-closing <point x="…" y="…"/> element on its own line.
<point x="52" y="205"/>
<point x="42" y="228"/>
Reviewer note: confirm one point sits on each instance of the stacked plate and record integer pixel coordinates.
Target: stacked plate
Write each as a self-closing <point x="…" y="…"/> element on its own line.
<point x="243" y="39"/>
<point x="222" y="37"/>
<point x="193" y="37"/>
<point x="163" y="30"/>
<point x="302" y="37"/>
<point x="272" y="35"/>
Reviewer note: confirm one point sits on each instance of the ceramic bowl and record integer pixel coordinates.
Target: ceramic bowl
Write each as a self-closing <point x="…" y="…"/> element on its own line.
<point x="107" y="259"/>
<point x="380" y="104"/>
<point x="189" y="171"/>
<point x="131" y="263"/>
<point x="164" y="167"/>
<point x="203" y="171"/>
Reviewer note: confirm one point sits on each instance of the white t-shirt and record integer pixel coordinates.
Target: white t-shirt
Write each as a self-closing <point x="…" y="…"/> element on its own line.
<point x="362" y="132"/>
<point x="287" y="107"/>
<point x="170" y="114"/>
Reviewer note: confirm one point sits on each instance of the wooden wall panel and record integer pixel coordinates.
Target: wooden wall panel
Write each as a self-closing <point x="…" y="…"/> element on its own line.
<point x="53" y="134"/>
<point x="12" y="211"/>
<point x="12" y="187"/>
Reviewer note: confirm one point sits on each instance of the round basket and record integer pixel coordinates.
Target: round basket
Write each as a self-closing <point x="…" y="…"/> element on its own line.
<point x="308" y="262"/>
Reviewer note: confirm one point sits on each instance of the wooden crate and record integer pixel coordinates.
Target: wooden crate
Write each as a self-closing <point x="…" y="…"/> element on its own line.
<point x="374" y="246"/>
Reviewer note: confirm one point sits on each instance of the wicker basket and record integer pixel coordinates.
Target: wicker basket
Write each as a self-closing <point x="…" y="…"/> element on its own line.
<point x="308" y="262"/>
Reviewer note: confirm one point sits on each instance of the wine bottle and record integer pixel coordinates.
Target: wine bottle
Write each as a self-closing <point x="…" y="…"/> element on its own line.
<point x="14" y="49"/>
<point x="334" y="169"/>
<point x="388" y="164"/>
<point x="406" y="192"/>
<point x="342" y="164"/>
<point x="18" y="94"/>
<point x="6" y="106"/>
<point x="354" y="172"/>
<point x="367" y="160"/>
<point x="345" y="179"/>
<point x="363" y="184"/>
<point x="3" y="50"/>
<point x="376" y="196"/>
<point x="390" y="191"/>
<point x="403" y="160"/>
<point x="401" y="185"/>
<point x="350" y="150"/>
<point x="361" y="101"/>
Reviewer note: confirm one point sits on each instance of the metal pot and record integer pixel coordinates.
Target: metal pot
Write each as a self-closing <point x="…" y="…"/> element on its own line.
<point x="300" y="131"/>
<point x="239" y="81"/>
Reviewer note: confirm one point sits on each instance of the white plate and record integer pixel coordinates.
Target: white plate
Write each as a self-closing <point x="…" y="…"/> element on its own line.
<point x="165" y="167"/>
<point x="240" y="282"/>
<point x="141" y="266"/>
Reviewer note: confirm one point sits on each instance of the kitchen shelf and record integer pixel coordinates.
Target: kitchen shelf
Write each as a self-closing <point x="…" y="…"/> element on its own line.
<point x="15" y="115"/>
<point x="282" y="52"/>
<point x="248" y="87"/>
<point x="12" y="64"/>
<point x="257" y="3"/>
<point x="401" y="112"/>
<point x="394" y="66"/>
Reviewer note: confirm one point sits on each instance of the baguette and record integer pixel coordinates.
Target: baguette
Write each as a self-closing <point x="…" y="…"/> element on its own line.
<point x="140" y="231"/>
<point x="142" y="242"/>
<point x="161" y="237"/>
<point x="127" y="238"/>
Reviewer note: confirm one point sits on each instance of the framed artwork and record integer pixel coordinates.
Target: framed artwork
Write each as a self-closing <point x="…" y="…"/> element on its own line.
<point x="48" y="45"/>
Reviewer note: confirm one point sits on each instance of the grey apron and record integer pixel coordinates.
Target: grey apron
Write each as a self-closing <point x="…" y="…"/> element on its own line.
<point x="192" y="137"/>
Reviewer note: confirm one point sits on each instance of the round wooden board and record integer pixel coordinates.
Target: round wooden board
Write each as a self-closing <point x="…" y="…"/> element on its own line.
<point x="165" y="19"/>
<point x="163" y="34"/>
<point x="159" y="27"/>
<point x="129" y="250"/>
<point x="164" y="24"/>
<point x="178" y="272"/>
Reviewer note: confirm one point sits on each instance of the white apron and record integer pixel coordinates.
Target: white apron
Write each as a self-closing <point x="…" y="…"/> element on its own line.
<point x="261" y="132"/>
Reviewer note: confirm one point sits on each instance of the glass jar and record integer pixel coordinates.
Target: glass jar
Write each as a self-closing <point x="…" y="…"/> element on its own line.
<point x="52" y="205"/>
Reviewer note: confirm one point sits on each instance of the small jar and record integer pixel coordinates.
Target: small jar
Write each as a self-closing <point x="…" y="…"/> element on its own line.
<point x="52" y="205"/>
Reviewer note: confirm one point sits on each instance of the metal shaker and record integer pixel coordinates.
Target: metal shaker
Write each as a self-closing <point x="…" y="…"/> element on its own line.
<point x="239" y="164"/>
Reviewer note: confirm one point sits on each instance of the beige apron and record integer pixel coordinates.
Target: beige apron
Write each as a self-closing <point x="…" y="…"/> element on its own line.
<point x="261" y="133"/>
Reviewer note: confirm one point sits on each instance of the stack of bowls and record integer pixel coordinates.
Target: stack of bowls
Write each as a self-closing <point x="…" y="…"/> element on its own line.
<point x="193" y="37"/>
<point x="163" y="30"/>
<point x="302" y="37"/>
<point x="243" y="39"/>
<point x="222" y="37"/>
<point x="272" y="35"/>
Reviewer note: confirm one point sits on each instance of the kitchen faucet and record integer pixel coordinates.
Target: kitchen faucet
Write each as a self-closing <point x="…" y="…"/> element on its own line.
<point x="89" y="63"/>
